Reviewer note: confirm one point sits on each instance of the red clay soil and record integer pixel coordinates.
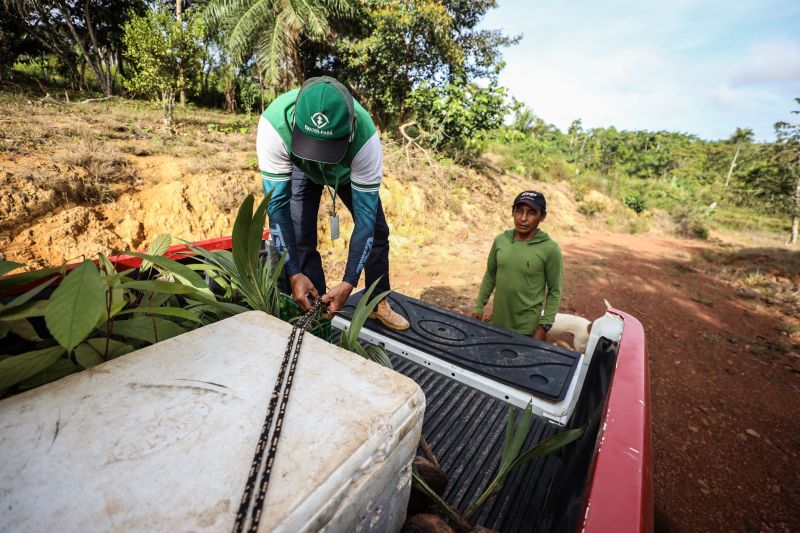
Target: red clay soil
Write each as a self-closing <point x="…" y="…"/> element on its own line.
<point x="723" y="393"/>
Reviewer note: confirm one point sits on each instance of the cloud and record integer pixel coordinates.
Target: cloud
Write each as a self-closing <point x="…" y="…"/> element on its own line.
<point x="768" y="61"/>
<point x="698" y="66"/>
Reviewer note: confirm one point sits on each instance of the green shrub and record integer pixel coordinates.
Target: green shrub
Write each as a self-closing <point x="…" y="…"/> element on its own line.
<point x="591" y="208"/>
<point x="690" y="223"/>
<point x="635" y="201"/>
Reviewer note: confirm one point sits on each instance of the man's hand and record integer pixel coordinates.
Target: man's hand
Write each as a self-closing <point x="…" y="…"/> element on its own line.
<point x="540" y="334"/>
<point x="486" y="316"/>
<point x="301" y="288"/>
<point x="337" y="297"/>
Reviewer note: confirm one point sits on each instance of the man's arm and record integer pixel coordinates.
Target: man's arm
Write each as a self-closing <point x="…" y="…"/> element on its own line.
<point x="554" y="273"/>
<point x="487" y="284"/>
<point x="276" y="176"/>
<point x="366" y="173"/>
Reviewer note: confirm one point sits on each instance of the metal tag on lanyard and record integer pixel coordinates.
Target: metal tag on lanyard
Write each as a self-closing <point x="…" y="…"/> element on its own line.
<point x="334" y="227"/>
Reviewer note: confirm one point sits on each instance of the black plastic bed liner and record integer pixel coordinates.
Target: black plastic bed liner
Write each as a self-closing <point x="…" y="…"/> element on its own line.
<point x="465" y="429"/>
<point x="533" y="366"/>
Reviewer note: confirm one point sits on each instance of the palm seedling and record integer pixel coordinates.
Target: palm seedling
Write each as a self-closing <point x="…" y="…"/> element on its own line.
<point x="349" y="339"/>
<point x="241" y="272"/>
<point x="511" y="458"/>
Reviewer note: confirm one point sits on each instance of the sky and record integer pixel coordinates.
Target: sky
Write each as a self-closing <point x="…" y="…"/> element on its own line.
<point x="700" y="67"/>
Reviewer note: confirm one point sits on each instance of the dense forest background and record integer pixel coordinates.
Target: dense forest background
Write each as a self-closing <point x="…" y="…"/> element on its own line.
<point x="427" y="72"/>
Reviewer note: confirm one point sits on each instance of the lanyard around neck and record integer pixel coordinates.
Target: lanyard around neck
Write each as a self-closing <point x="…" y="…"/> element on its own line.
<point x="334" y="189"/>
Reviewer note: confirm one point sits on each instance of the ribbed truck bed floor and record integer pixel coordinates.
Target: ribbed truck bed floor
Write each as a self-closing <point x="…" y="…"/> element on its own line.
<point x="465" y="429"/>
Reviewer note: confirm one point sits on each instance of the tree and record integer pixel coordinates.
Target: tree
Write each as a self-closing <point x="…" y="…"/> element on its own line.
<point x="272" y="31"/>
<point x="164" y="55"/>
<point x="788" y="157"/>
<point x="739" y="137"/>
<point x="773" y="177"/>
<point x="70" y="29"/>
<point x="393" y="47"/>
<point x="524" y="118"/>
<point x="450" y="117"/>
<point x="397" y="46"/>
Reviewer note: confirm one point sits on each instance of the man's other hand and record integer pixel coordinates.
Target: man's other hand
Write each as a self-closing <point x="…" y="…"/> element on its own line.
<point x="540" y="334"/>
<point x="301" y="288"/>
<point x="486" y="316"/>
<point x="337" y="297"/>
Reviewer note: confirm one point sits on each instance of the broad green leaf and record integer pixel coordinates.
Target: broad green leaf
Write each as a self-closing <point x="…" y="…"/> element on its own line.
<point x="159" y="286"/>
<point x="26" y="297"/>
<point x="157" y="247"/>
<point x="62" y="367"/>
<point x="19" y="280"/>
<point x="21" y="367"/>
<point x="181" y="272"/>
<point x="9" y="266"/>
<point x="90" y="352"/>
<point x="152" y="299"/>
<point x="166" y="311"/>
<point x="76" y="305"/>
<point x="118" y="300"/>
<point x="4" y="329"/>
<point x="23" y="328"/>
<point x="121" y="276"/>
<point x="148" y="329"/>
<point x="34" y="308"/>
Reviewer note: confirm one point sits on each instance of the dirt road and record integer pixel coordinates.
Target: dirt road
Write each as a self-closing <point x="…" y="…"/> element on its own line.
<point x="724" y="385"/>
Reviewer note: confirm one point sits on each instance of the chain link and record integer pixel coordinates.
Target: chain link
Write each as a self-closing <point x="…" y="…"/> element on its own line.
<point x="290" y="358"/>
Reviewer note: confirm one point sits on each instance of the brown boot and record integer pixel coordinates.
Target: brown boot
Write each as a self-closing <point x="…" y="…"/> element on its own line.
<point x="389" y="318"/>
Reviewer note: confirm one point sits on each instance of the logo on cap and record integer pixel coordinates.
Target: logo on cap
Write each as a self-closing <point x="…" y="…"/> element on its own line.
<point x="319" y="120"/>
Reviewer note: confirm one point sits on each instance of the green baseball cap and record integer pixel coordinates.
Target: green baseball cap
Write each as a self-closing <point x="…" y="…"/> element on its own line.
<point x="323" y="120"/>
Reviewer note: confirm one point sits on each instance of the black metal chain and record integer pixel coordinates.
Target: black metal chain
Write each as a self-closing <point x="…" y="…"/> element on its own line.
<point x="290" y="358"/>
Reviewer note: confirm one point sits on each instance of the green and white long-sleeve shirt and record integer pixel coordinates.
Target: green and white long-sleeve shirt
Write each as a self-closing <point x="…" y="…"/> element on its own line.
<point x="361" y="167"/>
<point x="525" y="275"/>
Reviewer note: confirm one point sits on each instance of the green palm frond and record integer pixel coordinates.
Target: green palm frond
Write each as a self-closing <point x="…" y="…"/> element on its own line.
<point x="272" y="30"/>
<point x="313" y="18"/>
<point x="271" y="54"/>
<point x="252" y="22"/>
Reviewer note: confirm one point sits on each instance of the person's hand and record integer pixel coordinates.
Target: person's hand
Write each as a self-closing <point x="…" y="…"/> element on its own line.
<point x="301" y="288"/>
<point x="486" y="316"/>
<point x="540" y="334"/>
<point x="337" y="297"/>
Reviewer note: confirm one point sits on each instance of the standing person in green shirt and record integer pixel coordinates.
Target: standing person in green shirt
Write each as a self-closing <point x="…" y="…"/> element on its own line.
<point x="524" y="269"/>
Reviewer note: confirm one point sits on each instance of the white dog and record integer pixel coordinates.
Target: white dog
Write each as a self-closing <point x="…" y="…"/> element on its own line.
<point x="574" y="325"/>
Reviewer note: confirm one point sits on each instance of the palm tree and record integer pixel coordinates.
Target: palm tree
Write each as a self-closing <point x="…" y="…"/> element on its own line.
<point x="273" y="31"/>
<point x="739" y="137"/>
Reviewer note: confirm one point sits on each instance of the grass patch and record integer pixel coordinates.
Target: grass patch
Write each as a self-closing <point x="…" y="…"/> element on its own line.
<point x="98" y="170"/>
<point x="787" y="327"/>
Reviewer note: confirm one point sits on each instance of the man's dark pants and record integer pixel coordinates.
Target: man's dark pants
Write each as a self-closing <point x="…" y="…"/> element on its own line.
<point x="305" y="207"/>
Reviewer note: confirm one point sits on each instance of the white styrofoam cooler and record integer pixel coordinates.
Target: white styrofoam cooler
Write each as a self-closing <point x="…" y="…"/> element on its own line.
<point x="162" y="439"/>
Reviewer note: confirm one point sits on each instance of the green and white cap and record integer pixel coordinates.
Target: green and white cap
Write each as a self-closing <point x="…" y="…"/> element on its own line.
<point x="323" y="120"/>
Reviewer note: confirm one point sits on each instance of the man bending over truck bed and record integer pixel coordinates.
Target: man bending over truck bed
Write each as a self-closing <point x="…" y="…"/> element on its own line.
<point x="314" y="138"/>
